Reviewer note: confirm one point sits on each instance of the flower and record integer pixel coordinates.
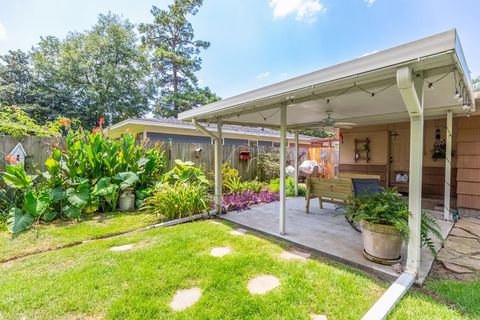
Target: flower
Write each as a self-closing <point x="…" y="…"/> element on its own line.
<point x="128" y="130"/>
<point x="65" y="122"/>
<point x="96" y="130"/>
<point x="11" y="159"/>
<point x="101" y="121"/>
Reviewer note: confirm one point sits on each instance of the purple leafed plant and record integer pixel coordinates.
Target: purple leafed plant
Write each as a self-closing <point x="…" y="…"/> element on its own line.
<point x="242" y="201"/>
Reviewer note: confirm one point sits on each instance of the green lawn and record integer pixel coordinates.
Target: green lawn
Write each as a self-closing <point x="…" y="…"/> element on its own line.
<point x="90" y="281"/>
<point x="60" y="234"/>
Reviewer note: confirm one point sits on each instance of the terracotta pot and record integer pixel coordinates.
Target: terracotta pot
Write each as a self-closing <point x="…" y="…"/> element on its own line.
<point x="381" y="241"/>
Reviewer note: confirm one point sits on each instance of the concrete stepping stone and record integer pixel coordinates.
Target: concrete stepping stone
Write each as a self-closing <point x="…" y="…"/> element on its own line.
<point x="124" y="247"/>
<point x="238" y="232"/>
<point x="220" y="251"/>
<point x="294" y="254"/>
<point x="185" y="298"/>
<point x="214" y="222"/>
<point x="314" y="316"/>
<point x="262" y="284"/>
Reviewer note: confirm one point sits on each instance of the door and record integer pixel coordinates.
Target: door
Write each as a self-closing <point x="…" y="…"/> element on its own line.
<point x="399" y="159"/>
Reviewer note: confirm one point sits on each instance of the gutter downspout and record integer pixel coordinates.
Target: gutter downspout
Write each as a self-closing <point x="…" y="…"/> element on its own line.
<point x="218" y="142"/>
<point x="412" y="94"/>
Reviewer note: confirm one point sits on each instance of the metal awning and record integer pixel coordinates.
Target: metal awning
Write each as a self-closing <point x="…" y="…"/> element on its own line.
<point x="362" y="91"/>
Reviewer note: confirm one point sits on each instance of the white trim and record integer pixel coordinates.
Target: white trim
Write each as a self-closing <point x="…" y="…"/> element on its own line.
<point x="386" y="303"/>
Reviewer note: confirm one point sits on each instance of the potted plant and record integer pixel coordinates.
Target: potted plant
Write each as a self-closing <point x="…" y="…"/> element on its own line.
<point x="384" y="220"/>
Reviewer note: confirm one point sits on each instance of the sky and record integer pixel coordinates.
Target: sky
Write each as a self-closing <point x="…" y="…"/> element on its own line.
<point x="258" y="42"/>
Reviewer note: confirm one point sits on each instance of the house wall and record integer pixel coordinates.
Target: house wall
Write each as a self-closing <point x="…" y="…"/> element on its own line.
<point x="433" y="171"/>
<point x="468" y="163"/>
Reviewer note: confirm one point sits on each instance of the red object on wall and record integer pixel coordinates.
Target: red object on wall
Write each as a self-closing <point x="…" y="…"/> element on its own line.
<point x="245" y="155"/>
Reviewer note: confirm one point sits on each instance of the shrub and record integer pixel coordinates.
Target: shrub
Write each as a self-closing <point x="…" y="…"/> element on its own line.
<point x="176" y="201"/>
<point x="274" y="186"/>
<point x="268" y="166"/>
<point x="84" y="176"/>
<point x="389" y="208"/>
<point x="231" y="182"/>
<point x="242" y="201"/>
<point x="186" y="172"/>
<point x="16" y="123"/>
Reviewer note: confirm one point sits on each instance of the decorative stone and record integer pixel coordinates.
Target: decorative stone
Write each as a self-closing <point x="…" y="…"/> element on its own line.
<point x="458" y="232"/>
<point x="462" y="245"/>
<point x="314" y="316"/>
<point x="398" y="268"/>
<point x="472" y="227"/>
<point x="294" y="254"/>
<point x="185" y="298"/>
<point x="238" y="232"/>
<point x="262" y="284"/>
<point x="455" y="268"/>
<point x="124" y="247"/>
<point x="466" y="262"/>
<point x="220" y="251"/>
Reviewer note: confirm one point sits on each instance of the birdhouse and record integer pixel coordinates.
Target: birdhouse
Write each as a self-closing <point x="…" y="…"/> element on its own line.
<point x="245" y="155"/>
<point x="18" y="153"/>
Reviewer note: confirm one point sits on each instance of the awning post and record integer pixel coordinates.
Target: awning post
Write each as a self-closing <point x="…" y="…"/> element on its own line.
<point x="218" y="168"/>
<point x="412" y="94"/>
<point x="295" y="163"/>
<point x="283" y="153"/>
<point x="448" y="167"/>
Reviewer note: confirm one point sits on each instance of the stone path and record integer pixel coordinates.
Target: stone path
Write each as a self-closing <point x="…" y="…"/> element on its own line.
<point x="318" y="317"/>
<point x="185" y="298"/>
<point x="238" y="232"/>
<point x="461" y="251"/>
<point x="262" y="284"/>
<point x="220" y="251"/>
<point x="124" y="247"/>
<point x="294" y="254"/>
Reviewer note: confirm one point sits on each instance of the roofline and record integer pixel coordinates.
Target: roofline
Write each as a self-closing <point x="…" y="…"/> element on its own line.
<point x="186" y="125"/>
<point x="418" y="50"/>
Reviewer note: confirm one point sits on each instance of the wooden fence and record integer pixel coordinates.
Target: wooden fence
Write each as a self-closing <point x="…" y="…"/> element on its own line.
<point x="37" y="149"/>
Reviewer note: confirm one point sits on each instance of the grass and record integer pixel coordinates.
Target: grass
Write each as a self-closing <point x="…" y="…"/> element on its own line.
<point x="464" y="294"/>
<point x="49" y="236"/>
<point x="90" y="281"/>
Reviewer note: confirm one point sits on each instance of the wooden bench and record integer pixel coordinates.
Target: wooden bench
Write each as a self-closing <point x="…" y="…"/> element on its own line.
<point x="336" y="191"/>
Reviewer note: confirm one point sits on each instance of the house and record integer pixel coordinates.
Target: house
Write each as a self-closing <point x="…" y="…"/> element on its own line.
<point x="174" y="130"/>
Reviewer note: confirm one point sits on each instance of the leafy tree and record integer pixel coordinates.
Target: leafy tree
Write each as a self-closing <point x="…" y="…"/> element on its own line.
<point x="101" y="72"/>
<point x="175" y="58"/>
<point x="317" y="133"/>
<point x="476" y="83"/>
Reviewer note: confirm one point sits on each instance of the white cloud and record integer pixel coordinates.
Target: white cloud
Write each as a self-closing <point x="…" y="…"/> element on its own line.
<point x="263" y="75"/>
<point x="305" y="10"/>
<point x="369" y="2"/>
<point x="3" y="32"/>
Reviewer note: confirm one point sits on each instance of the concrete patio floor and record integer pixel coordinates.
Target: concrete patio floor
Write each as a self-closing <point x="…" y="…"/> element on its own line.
<point x="325" y="232"/>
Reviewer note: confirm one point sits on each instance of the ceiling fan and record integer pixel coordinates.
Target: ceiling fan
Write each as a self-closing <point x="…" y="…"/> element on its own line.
<point x="329" y="123"/>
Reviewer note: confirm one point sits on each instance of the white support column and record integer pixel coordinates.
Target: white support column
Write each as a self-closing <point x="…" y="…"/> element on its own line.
<point x="218" y="168"/>
<point x="295" y="162"/>
<point x="412" y="94"/>
<point x="283" y="153"/>
<point x="448" y="166"/>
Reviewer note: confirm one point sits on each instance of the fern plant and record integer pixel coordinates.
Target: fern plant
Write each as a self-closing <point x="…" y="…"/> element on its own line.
<point x="389" y="208"/>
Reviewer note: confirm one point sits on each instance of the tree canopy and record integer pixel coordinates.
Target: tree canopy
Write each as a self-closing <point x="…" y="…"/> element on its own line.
<point x="108" y="71"/>
<point x="175" y="57"/>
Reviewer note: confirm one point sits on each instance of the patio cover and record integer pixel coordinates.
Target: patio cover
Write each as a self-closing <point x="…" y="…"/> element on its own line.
<point x="346" y="89"/>
<point x="423" y="79"/>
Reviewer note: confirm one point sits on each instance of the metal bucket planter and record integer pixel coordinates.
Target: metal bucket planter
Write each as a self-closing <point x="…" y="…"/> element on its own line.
<point x="381" y="243"/>
<point x="127" y="200"/>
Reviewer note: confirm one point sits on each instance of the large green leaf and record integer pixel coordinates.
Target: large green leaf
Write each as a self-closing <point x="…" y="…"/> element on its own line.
<point x="127" y="179"/>
<point x="72" y="212"/>
<point x="36" y="205"/>
<point x="78" y="197"/>
<point x="104" y="187"/>
<point x="16" y="177"/>
<point x="57" y="194"/>
<point x="50" y="215"/>
<point x="18" y="221"/>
